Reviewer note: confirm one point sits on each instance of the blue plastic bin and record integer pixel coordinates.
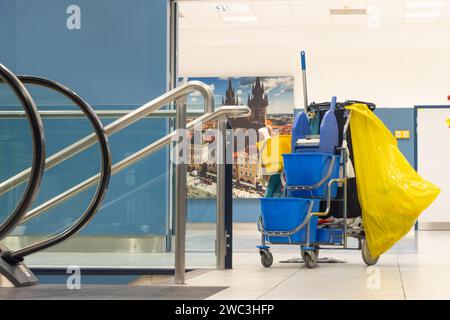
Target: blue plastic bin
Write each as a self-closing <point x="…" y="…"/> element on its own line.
<point x="329" y="236"/>
<point x="285" y="214"/>
<point x="305" y="169"/>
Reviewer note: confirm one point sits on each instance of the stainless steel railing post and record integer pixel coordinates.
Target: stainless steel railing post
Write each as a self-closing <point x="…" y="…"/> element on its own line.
<point x="180" y="194"/>
<point x="220" y="196"/>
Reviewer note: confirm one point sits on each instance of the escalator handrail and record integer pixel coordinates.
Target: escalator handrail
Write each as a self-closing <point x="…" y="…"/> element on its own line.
<point x="38" y="159"/>
<point x="105" y="173"/>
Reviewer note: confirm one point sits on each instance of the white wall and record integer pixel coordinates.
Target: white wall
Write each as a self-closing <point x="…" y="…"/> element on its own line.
<point x="398" y="66"/>
<point x="433" y="162"/>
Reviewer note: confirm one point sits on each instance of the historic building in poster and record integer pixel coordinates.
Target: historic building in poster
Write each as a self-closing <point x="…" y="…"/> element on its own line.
<point x="257" y="101"/>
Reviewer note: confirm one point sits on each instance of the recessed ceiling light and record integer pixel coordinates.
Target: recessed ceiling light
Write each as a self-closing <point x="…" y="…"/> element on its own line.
<point x="240" y="19"/>
<point x="348" y="12"/>
<point x="414" y="15"/>
<point x="424" y="4"/>
<point x="232" y="7"/>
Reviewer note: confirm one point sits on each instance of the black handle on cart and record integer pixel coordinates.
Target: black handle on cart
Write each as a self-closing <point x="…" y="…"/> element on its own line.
<point x="325" y="106"/>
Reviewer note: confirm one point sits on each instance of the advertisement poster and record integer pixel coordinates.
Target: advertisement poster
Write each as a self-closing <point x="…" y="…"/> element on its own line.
<point x="271" y="102"/>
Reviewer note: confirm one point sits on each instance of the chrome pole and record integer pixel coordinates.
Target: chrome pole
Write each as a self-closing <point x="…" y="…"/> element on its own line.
<point x="345" y="156"/>
<point x="345" y="200"/>
<point x="180" y="195"/>
<point x="173" y="82"/>
<point x="220" y="196"/>
<point x="76" y="114"/>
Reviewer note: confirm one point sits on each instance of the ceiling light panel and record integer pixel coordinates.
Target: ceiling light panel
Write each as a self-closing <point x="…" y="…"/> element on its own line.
<point x="424" y="4"/>
<point x="423" y="9"/>
<point x="236" y="13"/>
<point x="415" y="15"/>
<point x="348" y="12"/>
<point x="231" y="7"/>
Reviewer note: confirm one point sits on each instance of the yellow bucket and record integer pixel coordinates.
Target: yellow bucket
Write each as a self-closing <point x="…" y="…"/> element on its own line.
<point x="270" y="151"/>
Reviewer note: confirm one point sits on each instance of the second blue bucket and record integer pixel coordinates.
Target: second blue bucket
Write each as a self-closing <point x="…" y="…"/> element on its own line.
<point x="305" y="169"/>
<point x="285" y="214"/>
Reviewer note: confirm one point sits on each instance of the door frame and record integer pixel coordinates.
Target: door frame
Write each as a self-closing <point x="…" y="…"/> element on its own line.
<point x="416" y="139"/>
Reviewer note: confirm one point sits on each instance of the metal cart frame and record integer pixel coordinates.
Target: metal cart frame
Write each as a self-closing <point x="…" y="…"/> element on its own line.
<point x="310" y="250"/>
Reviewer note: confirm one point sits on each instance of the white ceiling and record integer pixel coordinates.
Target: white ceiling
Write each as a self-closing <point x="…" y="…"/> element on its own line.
<point x="281" y="13"/>
<point x="379" y="56"/>
<point x="308" y="24"/>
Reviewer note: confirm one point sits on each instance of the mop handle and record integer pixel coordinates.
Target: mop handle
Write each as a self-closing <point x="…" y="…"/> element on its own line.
<point x="303" y="59"/>
<point x="305" y="89"/>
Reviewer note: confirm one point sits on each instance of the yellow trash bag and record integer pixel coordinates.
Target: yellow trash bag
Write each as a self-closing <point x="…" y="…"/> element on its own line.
<point x="391" y="192"/>
<point x="270" y="151"/>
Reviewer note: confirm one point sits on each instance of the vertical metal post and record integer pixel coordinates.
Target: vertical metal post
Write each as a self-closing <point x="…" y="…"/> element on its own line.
<point x="173" y="45"/>
<point x="221" y="187"/>
<point x="180" y="197"/>
<point x="344" y="171"/>
<point x="345" y="158"/>
<point x="173" y="82"/>
<point x="229" y="198"/>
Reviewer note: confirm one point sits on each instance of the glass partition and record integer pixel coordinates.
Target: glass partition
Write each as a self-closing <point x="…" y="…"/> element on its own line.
<point x="132" y="227"/>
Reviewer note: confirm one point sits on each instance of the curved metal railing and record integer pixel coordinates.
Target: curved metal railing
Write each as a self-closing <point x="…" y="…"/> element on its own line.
<point x="103" y="176"/>
<point x="37" y="168"/>
<point x="101" y="134"/>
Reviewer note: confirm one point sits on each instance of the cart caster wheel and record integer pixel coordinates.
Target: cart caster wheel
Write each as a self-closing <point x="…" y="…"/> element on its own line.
<point x="310" y="259"/>
<point x="266" y="258"/>
<point x="366" y="256"/>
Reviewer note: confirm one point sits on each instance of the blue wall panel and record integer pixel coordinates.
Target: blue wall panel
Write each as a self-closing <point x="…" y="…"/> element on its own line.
<point x="8" y="33"/>
<point x="117" y="60"/>
<point x="400" y="119"/>
<point x="118" y="57"/>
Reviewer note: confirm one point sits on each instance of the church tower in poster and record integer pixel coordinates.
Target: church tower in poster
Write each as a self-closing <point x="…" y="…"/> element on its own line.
<point x="230" y="98"/>
<point x="257" y="101"/>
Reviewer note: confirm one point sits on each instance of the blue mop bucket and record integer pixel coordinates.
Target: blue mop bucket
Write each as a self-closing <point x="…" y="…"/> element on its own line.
<point x="306" y="169"/>
<point x="285" y="214"/>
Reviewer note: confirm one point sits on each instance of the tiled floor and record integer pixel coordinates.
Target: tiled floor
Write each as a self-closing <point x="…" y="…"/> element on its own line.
<point x="199" y="254"/>
<point x="416" y="268"/>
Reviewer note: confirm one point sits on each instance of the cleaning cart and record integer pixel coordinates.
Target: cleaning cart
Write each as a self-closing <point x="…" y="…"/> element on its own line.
<point x="311" y="176"/>
<point x="320" y="185"/>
